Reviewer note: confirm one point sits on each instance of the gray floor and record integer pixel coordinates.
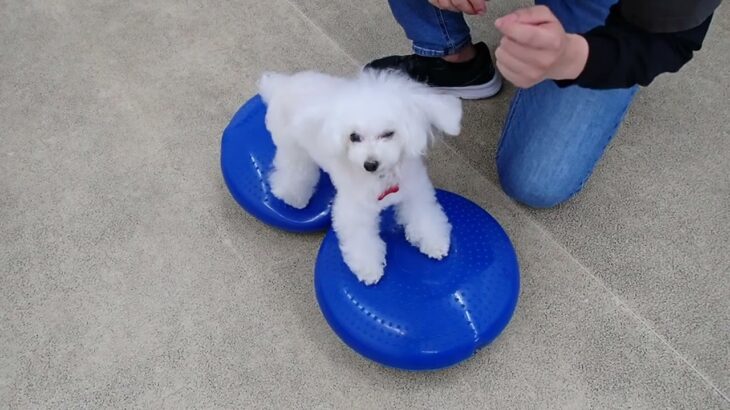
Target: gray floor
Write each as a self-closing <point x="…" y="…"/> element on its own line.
<point x="131" y="279"/>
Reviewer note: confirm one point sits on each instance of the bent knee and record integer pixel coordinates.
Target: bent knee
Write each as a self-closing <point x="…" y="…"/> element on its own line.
<point x="537" y="190"/>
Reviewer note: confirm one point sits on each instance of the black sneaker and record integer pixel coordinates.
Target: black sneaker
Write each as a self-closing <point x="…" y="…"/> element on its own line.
<point x="471" y="80"/>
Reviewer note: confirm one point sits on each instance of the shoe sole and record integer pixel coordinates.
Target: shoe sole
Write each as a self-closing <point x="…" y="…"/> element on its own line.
<point x="476" y="92"/>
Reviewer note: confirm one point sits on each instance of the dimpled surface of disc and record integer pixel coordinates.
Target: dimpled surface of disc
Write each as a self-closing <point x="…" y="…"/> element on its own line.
<point x="247" y="154"/>
<point x="424" y="314"/>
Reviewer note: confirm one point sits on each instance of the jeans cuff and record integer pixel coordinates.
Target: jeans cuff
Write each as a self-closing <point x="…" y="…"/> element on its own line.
<point x="428" y="50"/>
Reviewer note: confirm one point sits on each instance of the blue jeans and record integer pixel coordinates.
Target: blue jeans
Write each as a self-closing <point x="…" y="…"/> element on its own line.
<point x="552" y="137"/>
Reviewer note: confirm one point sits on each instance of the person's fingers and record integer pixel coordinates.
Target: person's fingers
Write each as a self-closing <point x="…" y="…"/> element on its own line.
<point x="534" y="15"/>
<point x="540" y="59"/>
<point x="543" y="36"/>
<point x="443" y="5"/>
<point x="513" y="76"/>
<point x="480" y="6"/>
<point x="449" y="5"/>
<point x="522" y="70"/>
<point x="464" y="6"/>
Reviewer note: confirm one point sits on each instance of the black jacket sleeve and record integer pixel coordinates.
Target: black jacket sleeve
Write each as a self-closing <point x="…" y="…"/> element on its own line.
<point x="621" y="54"/>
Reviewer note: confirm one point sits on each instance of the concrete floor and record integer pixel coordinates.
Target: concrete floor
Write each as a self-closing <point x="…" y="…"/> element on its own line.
<point x="130" y="278"/>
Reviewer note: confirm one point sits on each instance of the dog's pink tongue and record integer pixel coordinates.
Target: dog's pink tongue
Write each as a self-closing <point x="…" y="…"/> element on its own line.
<point x="391" y="190"/>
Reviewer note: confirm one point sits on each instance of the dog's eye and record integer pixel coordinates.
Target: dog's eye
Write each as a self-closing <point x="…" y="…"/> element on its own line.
<point x="388" y="135"/>
<point x="354" y="137"/>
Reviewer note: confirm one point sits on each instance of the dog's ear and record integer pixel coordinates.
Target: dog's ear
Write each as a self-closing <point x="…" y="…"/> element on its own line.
<point x="430" y="111"/>
<point x="442" y="111"/>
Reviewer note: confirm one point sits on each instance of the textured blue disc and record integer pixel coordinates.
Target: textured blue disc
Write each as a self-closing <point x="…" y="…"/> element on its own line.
<point x="247" y="153"/>
<point x="424" y="314"/>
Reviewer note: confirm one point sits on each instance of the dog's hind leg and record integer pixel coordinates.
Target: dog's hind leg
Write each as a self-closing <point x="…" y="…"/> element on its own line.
<point x="294" y="177"/>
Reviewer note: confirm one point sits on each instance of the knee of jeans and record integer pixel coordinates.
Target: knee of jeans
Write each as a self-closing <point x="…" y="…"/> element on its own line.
<point x="535" y="190"/>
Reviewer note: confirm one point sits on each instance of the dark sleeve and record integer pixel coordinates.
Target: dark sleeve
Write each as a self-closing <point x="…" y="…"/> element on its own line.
<point x="621" y="54"/>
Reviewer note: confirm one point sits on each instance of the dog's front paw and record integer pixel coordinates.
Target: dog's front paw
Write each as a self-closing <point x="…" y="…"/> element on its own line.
<point x="435" y="247"/>
<point x="369" y="275"/>
<point x="433" y="241"/>
<point x="368" y="265"/>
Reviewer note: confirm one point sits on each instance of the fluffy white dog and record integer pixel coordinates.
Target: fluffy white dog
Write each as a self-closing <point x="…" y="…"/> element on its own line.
<point x="370" y="134"/>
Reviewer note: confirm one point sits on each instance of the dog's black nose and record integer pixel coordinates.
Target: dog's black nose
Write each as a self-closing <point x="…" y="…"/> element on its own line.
<point x="371" y="166"/>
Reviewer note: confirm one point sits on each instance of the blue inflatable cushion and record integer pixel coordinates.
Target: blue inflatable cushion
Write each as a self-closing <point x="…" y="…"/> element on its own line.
<point x="424" y="314"/>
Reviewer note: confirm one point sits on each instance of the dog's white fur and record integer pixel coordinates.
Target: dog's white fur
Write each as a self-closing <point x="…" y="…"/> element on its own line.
<point x="312" y="118"/>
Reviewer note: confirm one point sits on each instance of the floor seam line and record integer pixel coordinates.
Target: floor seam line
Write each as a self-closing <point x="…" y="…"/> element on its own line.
<point x="620" y="302"/>
<point x="337" y="45"/>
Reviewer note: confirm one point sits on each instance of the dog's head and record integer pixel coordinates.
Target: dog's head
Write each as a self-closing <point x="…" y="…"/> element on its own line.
<point x="384" y="117"/>
<point x="379" y="118"/>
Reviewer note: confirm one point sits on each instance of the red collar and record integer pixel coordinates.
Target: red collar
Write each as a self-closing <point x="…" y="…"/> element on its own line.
<point x="391" y="190"/>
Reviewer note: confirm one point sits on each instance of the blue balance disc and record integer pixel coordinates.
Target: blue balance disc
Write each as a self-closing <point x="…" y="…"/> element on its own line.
<point x="424" y="314"/>
<point x="247" y="153"/>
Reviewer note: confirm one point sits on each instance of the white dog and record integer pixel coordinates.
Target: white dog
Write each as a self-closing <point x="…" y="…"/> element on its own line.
<point x="369" y="133"/>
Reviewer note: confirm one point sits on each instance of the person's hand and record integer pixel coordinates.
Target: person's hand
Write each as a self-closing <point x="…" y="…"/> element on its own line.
<point x="463" y="6"/>
<point x="535" y="47"/>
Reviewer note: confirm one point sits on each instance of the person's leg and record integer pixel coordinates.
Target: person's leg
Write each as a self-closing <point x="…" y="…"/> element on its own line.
<point x="434" y="32"/>
<point x="553" y="137"/>
<point x="445" y="56"/>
